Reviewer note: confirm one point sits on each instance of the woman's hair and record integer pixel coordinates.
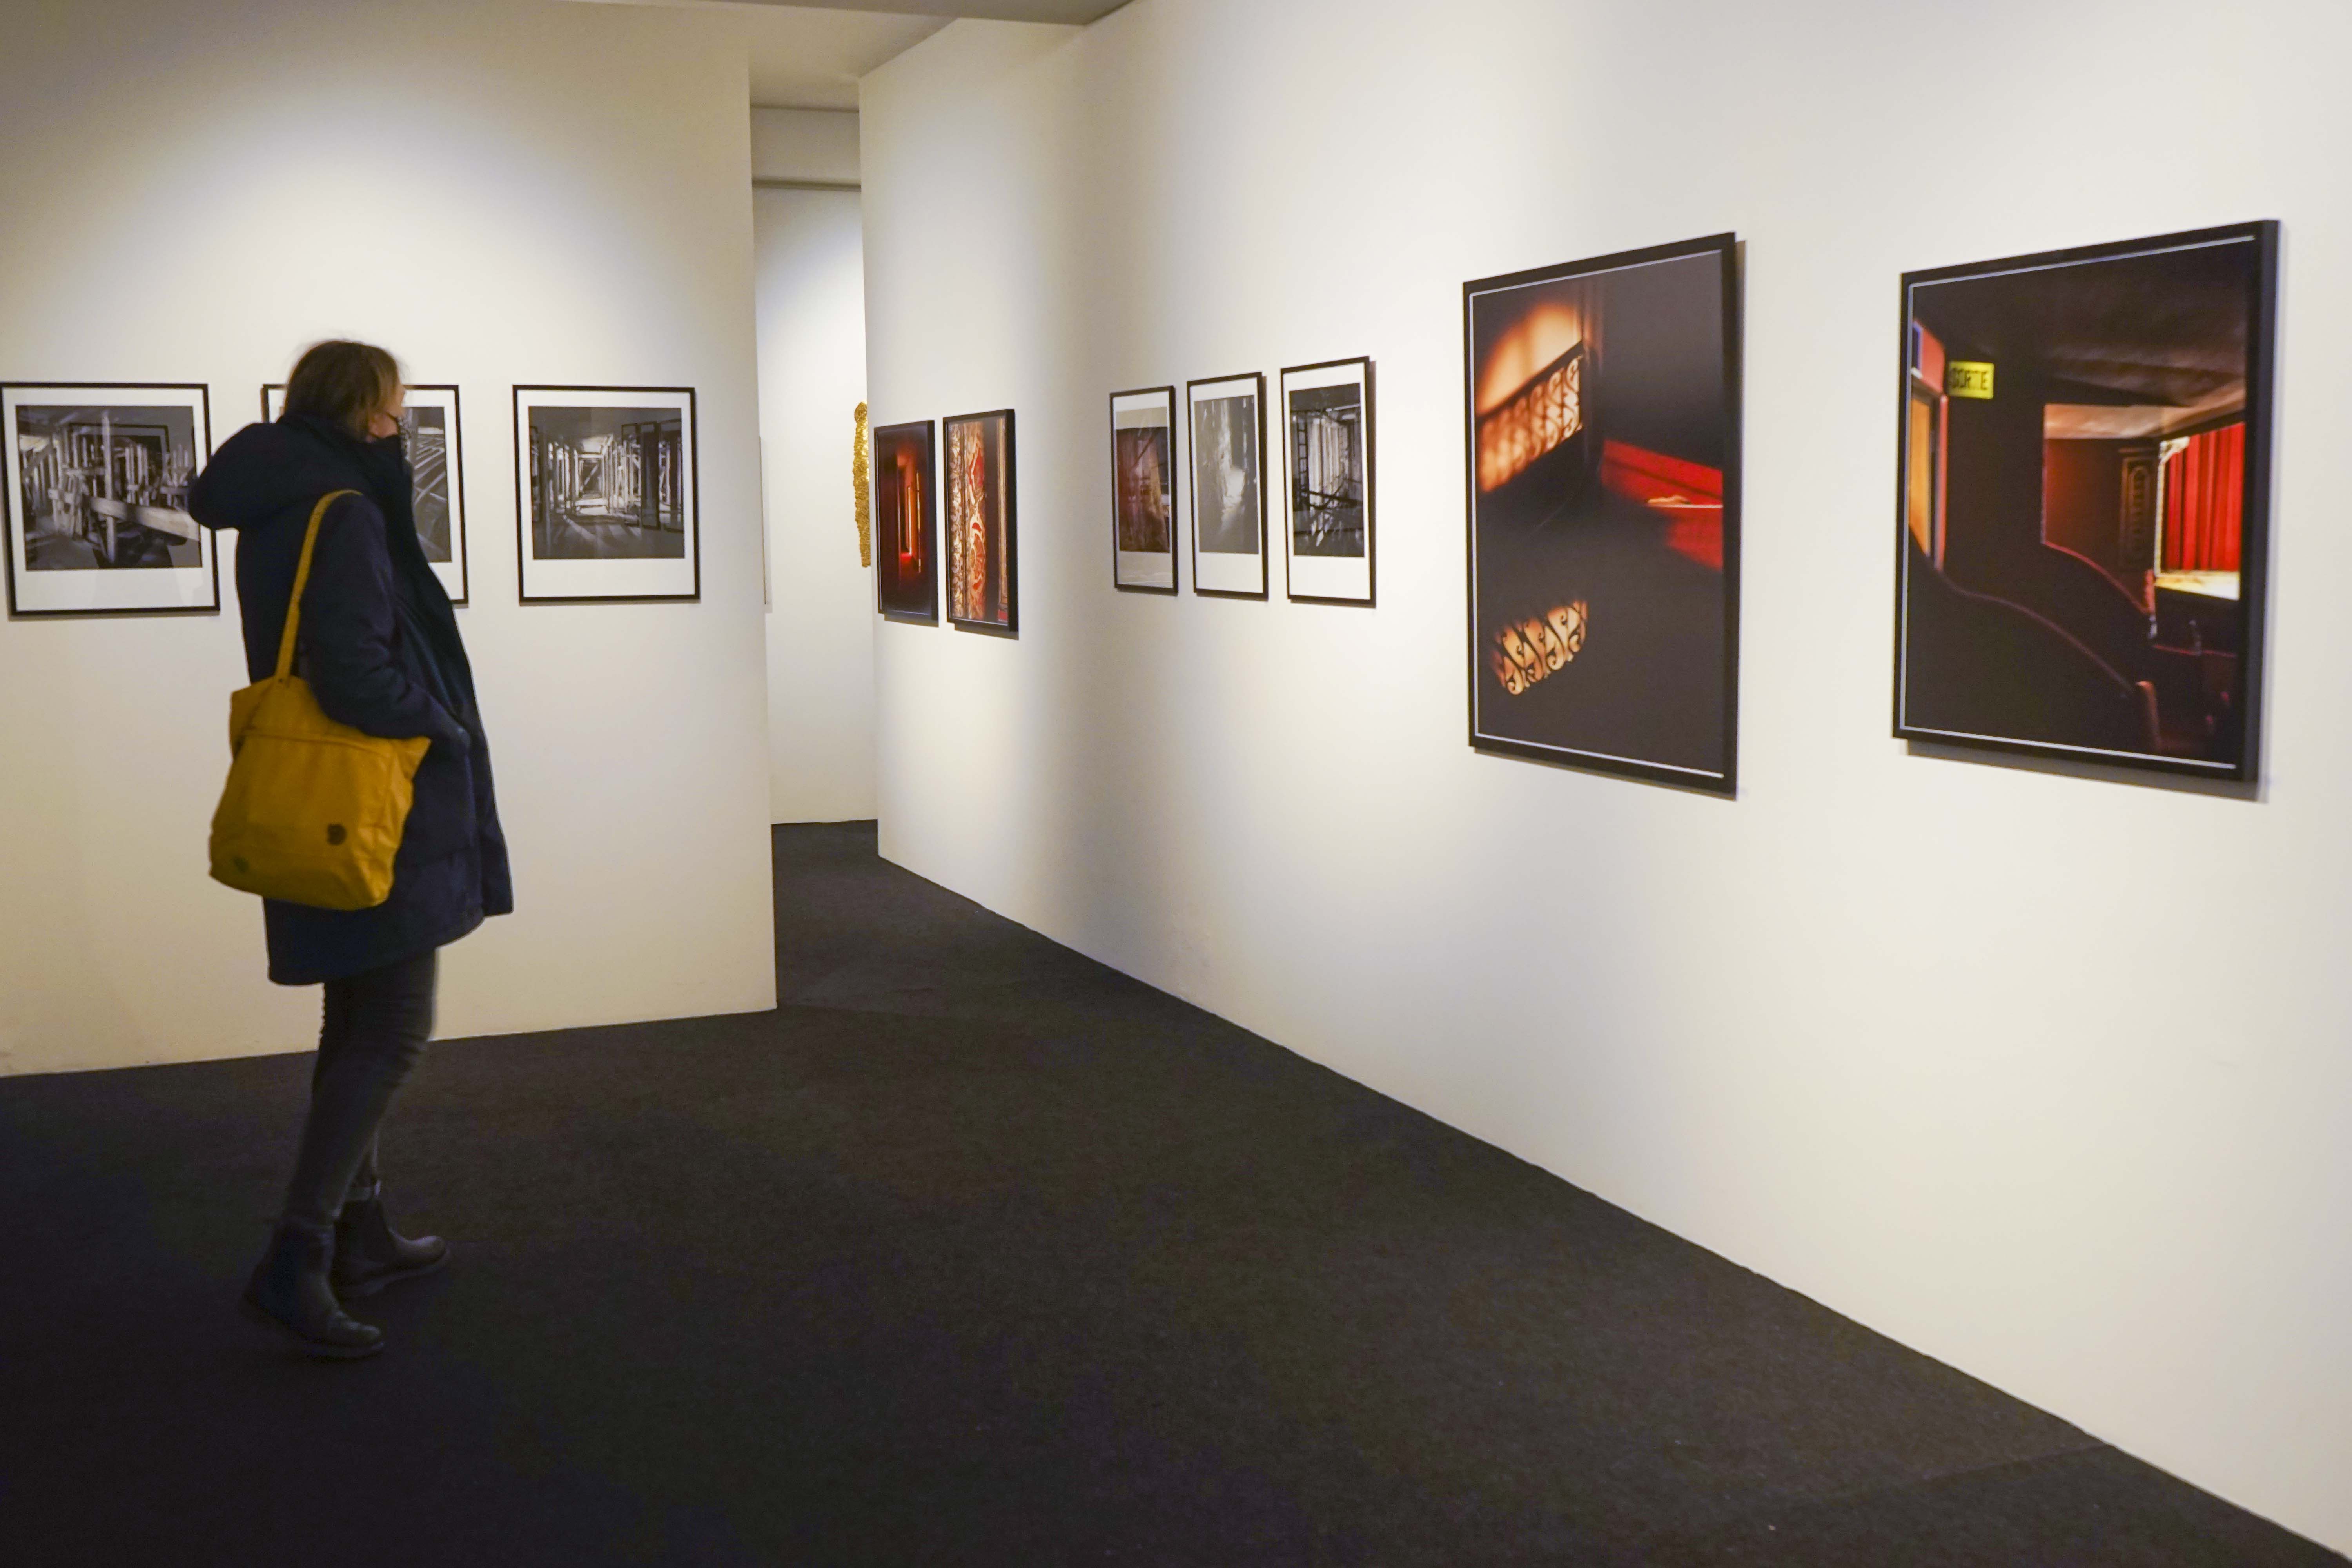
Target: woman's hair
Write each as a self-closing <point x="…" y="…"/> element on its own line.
<point x="346" y="382"/>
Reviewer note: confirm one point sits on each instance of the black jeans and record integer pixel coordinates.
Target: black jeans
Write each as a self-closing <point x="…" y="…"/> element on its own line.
<point x="375" y="1027"/>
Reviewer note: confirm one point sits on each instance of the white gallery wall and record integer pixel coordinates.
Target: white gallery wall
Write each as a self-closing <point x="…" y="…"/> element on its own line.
<point x="2042" y="1071"/>
<point x="809" y="273"/>
<point x="502" y="193"/>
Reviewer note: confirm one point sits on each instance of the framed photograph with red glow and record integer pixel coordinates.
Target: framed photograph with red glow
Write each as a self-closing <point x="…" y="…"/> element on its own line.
<point x="1327" y="418"/>
<point x="981" y="522"/>
<point x="1143" y="489"/>
<point x="1602" y="407"/>
<point x="2082" y="500"/>
<point x="906" y="566"/>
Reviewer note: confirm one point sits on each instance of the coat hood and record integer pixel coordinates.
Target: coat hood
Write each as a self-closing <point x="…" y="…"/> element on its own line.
<point x="265" y="472"/>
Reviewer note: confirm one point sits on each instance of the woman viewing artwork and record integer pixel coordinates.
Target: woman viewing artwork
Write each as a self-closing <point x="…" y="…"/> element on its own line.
<point x="378" y="642"/>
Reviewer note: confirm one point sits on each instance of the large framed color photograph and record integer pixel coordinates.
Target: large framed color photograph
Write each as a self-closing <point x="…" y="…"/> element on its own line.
<point x="982" y="522"/>
<point x="1603" y="430"/>
<point x="97" y="495"/>
<point x="1143" y="489"/>
<point x="905" y="515"/>
<point x="607" y="508"/>
<point x="2082" y="501"/>
<point x="429" y="428"/>
<point x="1228" y="427"/>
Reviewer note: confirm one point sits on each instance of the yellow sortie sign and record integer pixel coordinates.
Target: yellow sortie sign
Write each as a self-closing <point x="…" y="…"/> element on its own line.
<point x="1968" y="378"/>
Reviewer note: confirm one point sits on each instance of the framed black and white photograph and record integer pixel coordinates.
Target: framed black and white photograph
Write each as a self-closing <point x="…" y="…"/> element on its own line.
<point x="1602" y="423"/>
<point x="982" y="522"/>
<point x="429" y="427"/>
<point x="2082" y="508"/>
<point x="1228" y="427"/>
<point x="1143" y="489"/>
<point x="607" y="509"/>
<point x="1327" y="420"/>
<point x="906" y="514"/>
<point x="97" y="498"/>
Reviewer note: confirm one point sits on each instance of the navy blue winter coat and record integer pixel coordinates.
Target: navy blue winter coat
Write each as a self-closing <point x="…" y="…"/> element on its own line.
<point x="379" y="645"/>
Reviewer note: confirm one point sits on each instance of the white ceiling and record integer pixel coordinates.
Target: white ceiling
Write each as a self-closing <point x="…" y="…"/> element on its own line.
<point x="1076" y="12"/>
<point x="807" y="56"/>
<point x="810" y="56"/>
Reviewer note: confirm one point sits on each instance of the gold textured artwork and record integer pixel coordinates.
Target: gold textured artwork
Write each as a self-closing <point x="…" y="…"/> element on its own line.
<point x="861" y="485"/>
<point x="1524" y="652"/>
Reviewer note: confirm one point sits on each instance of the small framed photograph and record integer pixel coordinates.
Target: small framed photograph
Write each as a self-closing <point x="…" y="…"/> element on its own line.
<point x="97" y="477"/>
<point x="1601" y="417"/>
<point x="1228" y="420"/>
<point x="983" y="523"/>
<point x="607" y="508"/>
<point x="1326" y="417"/>
<point x="429" y="427"/>
<point x="905" y="510"/>
<point x="2082" y="512"/>
<point x="1143" y="489"/>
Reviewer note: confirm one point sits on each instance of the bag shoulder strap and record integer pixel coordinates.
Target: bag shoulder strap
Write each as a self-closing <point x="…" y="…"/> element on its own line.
<point x="302" y="581"/>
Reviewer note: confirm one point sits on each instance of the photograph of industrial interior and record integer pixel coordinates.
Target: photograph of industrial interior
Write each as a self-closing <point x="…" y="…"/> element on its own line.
<point x="606" y="483"/>
<point x="104" y="489"/>
<point x="1680" y="904"/>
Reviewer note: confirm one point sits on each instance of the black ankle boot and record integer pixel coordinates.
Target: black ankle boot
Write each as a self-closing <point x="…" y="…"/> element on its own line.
<point x="371" y="1255"/>
<point x="288" y="1291"/>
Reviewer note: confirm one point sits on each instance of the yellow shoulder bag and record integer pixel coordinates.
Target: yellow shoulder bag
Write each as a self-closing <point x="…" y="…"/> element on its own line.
<point x="314" y="810"/>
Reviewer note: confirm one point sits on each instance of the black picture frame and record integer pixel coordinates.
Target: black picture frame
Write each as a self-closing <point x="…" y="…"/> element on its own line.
<point x="2017" y="634"/>
<point x="1370" y="598"/>
<point x="893" y="599"/>
<point x="1691" y="677"/>
<point x="1009" y="625"/>
<point x="1166" y="395"/>
<point x="460" y="591"/>
<point x="1256" y="380"/>
<point x="13" y="523"/>
<point x="534" y="395"/>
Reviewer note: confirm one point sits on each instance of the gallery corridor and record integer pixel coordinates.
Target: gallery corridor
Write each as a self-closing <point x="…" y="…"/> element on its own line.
<point x="974" y="1252"/>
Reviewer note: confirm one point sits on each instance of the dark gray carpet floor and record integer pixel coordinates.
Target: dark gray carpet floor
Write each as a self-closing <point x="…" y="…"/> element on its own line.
<point x="975" y="1252"/>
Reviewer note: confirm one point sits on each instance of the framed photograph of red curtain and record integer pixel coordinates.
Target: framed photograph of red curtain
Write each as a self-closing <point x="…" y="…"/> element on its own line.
<point x="983" y="523"/>
<point x="2082" y="501"/>
<point x="1601" y="403"/>
<point x="906" y="505"/>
